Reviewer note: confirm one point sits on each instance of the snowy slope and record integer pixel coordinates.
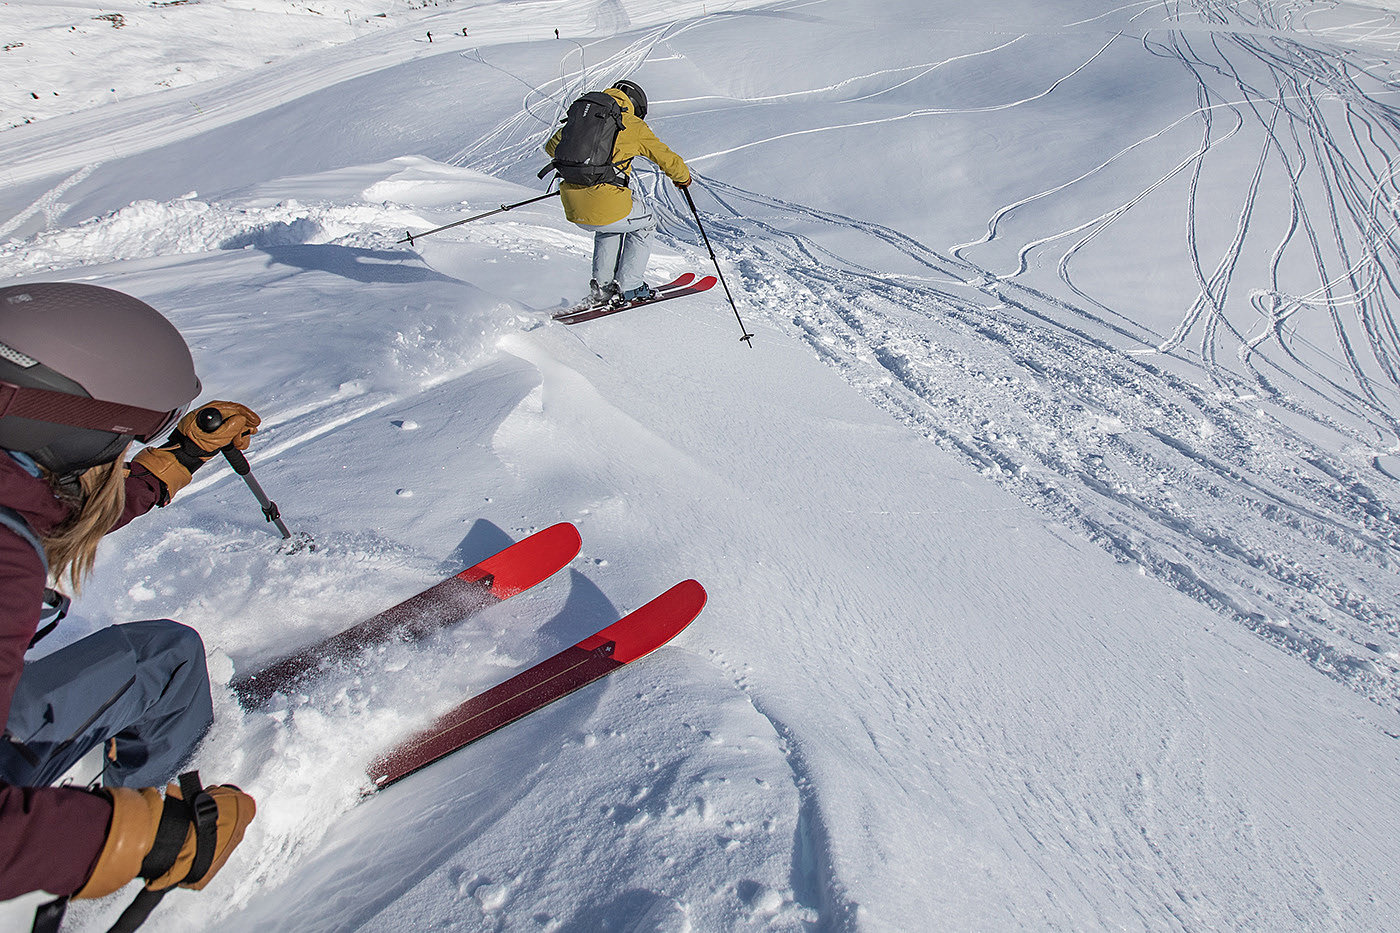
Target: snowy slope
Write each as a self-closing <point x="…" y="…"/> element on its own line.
<point x="1047" y="526"/>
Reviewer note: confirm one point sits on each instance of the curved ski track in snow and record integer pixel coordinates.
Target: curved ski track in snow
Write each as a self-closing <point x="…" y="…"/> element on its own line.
<point x="911" y="115"/>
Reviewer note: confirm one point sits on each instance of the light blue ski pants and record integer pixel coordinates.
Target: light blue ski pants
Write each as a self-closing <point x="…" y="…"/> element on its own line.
<point x="622" y="248"/>
<point x="143" y="685"/>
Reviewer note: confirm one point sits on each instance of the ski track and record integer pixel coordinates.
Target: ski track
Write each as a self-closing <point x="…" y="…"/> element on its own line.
<point x="920" y="113"/>
<point x="50" y="203"/>
<point x="814" y="880"/>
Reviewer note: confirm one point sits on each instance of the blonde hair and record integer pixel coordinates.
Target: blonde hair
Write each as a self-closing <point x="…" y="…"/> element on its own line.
<point x="72" y="547"/>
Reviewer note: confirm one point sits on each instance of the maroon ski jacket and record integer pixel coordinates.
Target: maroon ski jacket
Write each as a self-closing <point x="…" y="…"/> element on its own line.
<point x="50" y="837"/>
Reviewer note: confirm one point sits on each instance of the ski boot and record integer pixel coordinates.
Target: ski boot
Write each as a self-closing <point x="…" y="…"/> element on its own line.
<point x="643" y="292"/>
<point x="602" y="294"/>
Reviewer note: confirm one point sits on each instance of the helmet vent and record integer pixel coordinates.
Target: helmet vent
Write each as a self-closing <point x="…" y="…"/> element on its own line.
<point x="16" y="357"/>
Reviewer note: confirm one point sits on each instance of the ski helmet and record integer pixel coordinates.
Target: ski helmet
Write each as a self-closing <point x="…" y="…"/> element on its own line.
<point x="84" y="370"/>
<point x="634" y="93"/>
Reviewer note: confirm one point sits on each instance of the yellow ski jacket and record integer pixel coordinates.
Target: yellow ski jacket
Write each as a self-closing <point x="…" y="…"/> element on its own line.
<point x="597" y="205"/>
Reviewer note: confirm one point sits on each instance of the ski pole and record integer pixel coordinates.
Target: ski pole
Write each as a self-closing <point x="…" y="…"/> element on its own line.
<point x="410" y="237"/>
<point x="209" y="419"/>
<point x="747" y="337"/>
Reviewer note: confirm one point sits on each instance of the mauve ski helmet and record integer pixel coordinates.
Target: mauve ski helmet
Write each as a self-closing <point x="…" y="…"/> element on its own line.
<point x="84" y="370"/>
<point x="636" y="95"/>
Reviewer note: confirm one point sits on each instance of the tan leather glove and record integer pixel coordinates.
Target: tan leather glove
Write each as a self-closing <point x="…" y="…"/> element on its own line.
<point x="190" y="446"/>
<point x="144" y="840"/>
<point x="237" y="424"/>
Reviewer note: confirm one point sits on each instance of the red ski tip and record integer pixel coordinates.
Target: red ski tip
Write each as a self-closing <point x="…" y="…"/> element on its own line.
<point x="524" y="564"/>
<point x="643" y="630"/>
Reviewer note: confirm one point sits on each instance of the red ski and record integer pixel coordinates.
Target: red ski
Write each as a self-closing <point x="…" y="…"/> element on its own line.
<point x="685" y="285"/>
<point x="634" y="636"/>
<point x="498" y="577"/>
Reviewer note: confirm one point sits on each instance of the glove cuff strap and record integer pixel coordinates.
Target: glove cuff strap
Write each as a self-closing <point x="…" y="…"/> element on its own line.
<point x="129" y="838"/>
<point x="170" y="838"/>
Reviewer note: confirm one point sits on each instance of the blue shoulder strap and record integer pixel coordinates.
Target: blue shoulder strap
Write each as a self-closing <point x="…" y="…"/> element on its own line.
<point x="16" y="523"/>
<point x="55" y="604"/>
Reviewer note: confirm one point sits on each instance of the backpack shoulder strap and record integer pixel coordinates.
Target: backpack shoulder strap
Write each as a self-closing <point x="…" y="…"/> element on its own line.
<point x="14" y="521"/>
<point x="55" y="604"/>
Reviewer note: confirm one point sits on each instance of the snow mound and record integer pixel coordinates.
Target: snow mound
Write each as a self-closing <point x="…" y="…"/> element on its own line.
<point x="150" y="229"/>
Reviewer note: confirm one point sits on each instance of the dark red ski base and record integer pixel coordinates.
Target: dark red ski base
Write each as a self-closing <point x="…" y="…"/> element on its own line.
<point x="498" y="577"/>
<point x="685" y="278"/>
<point x="634" y="636"/>
<point x="685" y="285"/>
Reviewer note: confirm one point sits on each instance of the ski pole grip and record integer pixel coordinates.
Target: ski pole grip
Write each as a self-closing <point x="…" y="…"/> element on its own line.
<point x="209" y="419"/>
<point x="235" y="459"/>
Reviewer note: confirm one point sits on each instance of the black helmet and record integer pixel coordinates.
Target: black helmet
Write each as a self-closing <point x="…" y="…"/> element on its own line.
<point x="634" y="93"/>
<point x="85" y="370"/>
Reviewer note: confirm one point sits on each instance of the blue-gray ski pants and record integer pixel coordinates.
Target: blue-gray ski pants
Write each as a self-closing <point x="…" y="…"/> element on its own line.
<point x="144" y="685"/>
<point x="622" y="248"/>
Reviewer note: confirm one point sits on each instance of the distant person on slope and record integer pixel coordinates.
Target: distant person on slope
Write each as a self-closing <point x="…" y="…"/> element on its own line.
<point x="596" y="191"/>
<point x="84" y="371"/>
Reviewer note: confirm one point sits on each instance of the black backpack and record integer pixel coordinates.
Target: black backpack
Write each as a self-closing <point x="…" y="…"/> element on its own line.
<point x="585" y="150"/>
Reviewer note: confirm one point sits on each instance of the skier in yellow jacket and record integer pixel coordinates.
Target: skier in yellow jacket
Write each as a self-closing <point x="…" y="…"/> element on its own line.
<point x="619" y="217"/>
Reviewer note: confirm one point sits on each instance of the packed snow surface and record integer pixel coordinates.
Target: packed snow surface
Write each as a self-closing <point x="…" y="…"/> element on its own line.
<point x="1050" y="524"/>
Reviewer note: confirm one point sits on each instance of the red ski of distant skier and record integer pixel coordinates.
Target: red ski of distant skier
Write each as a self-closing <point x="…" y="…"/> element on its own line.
<point x="634" y="636"/>
<point x="686" y="284"/>
<point x="498" y="577"/>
